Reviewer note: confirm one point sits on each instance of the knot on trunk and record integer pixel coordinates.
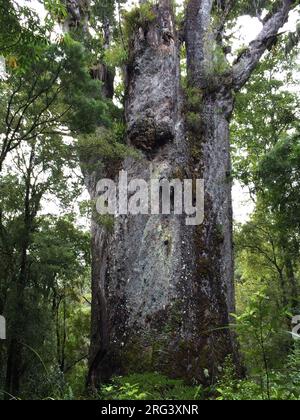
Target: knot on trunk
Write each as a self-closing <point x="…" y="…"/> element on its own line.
<point x="149" y="134"/>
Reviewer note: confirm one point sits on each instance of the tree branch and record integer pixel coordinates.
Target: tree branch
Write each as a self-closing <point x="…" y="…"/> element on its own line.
<point x="247" y="62"/>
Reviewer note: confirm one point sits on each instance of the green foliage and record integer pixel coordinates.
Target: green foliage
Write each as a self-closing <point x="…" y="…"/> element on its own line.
<point x="22" y="37"/>
<point x="266" y="302"/>
<point x="54" y="94"/>
<point x="139" y="17"/>
<point x="116" y="55"/>
<point x="279" y="173"/>
<point x="103" y="147"/>
<point x="284" y="384"/>
<point x="253" y="9"/>
<point x="52" y="305"/>
<point x="230" y="388"/>
<point x="265" y="110"/>
<point x="105" y="220"/>
<point x="289" y="380"/>
<point x="61" y="249"/>
<point x="103" y="11"/>
<point x="268" y="244"/>
<point x="293" y="39"/>
<point x="148" y="386"/>
<point x="45" y="258"/>
<point x="57" y="9"/>
<point x="81" y="93"/>
<point x="259" y="326"/>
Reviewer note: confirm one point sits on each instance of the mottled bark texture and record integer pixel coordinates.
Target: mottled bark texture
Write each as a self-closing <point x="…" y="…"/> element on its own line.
<point x="168" y="287"/>
<point x="145" y="266"/>
<point x="163" y="291"/>
<point x="211" y="155"/>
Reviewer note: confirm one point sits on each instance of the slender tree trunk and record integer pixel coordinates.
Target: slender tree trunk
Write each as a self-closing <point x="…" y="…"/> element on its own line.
<point x="14" y="369"/>
<point x="15" y="350"/>
<point x="292" y="282"/>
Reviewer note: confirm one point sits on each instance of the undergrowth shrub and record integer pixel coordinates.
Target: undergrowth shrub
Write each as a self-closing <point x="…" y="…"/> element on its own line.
<point x="149" y="386"/>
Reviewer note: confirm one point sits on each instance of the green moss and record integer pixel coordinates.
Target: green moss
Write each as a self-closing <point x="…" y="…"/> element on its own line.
<point x="149" y="350"/>
<point x="194" y="97"/>
<point x="193" y="120"/>
<point x="168" y="243"/>
<point x="137" y="357"/>
<point x="103" y="147"/>
<point x="196" y="153"/>
<point x="220" y="64"/>
<point x="242" y="50"/>
<point x="107" y="221"/>
<point x="194" y="100"/>
<point x="175" y="317"/>
<point x="139" y="17"/>
<point x="220" y="235"/>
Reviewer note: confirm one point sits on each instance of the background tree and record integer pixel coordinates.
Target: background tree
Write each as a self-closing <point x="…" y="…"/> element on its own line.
<point x="43" y="98"/>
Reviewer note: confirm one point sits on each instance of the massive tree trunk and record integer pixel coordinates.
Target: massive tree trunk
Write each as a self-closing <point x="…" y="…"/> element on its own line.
<point x="163" y="291"/>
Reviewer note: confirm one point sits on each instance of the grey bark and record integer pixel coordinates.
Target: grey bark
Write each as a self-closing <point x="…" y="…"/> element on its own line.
<point x="78" y="13"/>
<point x="246" y="63"/>
<point x="168" y="287"/>
<point x="145" y="254"/>
<point x="163" y="291"/>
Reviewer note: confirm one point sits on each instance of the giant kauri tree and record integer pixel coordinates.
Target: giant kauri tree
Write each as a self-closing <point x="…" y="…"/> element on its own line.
<point x="162" y="291"/>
